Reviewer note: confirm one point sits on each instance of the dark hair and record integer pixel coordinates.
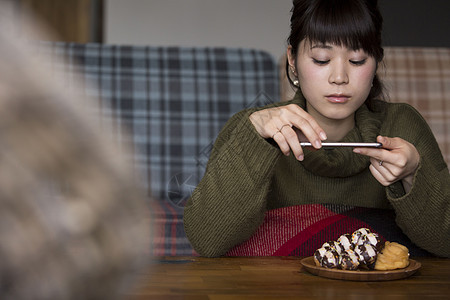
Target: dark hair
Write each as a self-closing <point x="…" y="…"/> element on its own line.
<point x="355" y="24"/>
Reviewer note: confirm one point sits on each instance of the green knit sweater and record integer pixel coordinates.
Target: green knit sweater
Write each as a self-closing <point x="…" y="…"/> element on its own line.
<point x="247" y="175"/>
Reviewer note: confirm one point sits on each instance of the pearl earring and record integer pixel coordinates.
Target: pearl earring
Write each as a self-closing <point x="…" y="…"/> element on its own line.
<point x="296" y="83"/>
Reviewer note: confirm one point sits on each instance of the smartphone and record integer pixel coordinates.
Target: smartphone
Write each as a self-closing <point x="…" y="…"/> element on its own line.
<point x="354" y="145"/>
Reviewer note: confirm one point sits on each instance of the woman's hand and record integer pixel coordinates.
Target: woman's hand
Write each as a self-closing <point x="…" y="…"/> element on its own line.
<point x="397" y="160"/>
<point x="285" y="125"/>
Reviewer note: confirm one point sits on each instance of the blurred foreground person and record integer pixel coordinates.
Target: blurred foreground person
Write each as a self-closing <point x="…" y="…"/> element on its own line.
<point x="72" y="221"/>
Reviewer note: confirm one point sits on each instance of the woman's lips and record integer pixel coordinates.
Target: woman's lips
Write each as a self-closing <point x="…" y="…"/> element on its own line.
<point x="338" y="98"/>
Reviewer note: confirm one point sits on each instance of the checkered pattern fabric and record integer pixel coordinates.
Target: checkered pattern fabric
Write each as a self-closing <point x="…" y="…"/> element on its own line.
<point x="418" y="76"/>
<point x="421" y="77"/>
<point x="173" y="102"/>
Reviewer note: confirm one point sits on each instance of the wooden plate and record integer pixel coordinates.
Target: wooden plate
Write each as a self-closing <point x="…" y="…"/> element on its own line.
<point x="360" y="275"/>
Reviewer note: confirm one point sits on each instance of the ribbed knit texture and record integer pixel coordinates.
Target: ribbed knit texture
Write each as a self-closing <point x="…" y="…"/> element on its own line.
<point x="302" y="229"/>
<point x="248" y="175"/>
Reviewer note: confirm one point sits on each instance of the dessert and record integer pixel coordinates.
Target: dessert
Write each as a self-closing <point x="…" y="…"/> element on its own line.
<point x="367" y="254"/>
<point x="346" y="241"/>
<point x="348" y="260"/>
<point x="361" y="249"/>
<point x="393" y="256"/>
<point x="328" y="258"/>
<point x="357" y="234"/>
<point x="371" y="238"/>
<point x="333" y="245"/>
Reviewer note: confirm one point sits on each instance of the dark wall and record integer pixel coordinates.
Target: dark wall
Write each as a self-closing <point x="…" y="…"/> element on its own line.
<point x="421" y="23"/>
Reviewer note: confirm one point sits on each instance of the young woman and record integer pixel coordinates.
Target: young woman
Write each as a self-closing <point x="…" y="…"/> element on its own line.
<point x="258" y="164"/>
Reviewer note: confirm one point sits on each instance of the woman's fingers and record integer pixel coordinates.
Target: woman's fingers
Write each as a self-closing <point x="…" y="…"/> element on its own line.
<point x="385" y="171"/>
<point x="308" y="126"/>
<point x="281" y="124"/>
<point x="287" y="140"/>
<point x="292" y="139"/>
<point x="397" y="160"/>
<point x="282" y="142"/>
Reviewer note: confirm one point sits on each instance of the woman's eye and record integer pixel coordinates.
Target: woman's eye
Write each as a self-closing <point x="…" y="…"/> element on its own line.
<point x="320" y="62"/>
<point x="358" y="62"/>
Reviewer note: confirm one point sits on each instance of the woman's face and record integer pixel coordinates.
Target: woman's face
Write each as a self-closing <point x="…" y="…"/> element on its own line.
<point x="334" y="80"/>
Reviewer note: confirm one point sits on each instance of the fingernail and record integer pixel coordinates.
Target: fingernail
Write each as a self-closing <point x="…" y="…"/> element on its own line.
<point x="317" y="144"/>
<point x="323" y="136"/>
<point x="300" y="157"/>
<point x="356" y="150"/>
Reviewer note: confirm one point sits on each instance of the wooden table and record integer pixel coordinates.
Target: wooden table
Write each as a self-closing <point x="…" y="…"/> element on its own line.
<point x="278" y="278"/>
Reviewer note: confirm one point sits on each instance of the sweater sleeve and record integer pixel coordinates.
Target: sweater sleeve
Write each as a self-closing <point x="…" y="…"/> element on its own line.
<point x="229" y="203"/>
<point x="424" y="213"/>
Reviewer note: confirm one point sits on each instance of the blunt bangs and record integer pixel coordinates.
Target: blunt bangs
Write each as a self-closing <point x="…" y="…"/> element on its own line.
<point x="343" y="23"/>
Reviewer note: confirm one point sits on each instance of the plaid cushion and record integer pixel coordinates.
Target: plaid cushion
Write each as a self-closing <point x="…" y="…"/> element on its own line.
<point x="421" y="77"/>
<point x="173" y="101"/>
<point x="418" y="76"/>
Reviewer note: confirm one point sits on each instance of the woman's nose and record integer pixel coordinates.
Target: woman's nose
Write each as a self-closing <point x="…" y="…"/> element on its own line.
<point x="338" y="74"/>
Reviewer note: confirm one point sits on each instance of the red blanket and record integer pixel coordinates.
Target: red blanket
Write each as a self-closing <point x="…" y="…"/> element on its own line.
<point x="300" y="230"/>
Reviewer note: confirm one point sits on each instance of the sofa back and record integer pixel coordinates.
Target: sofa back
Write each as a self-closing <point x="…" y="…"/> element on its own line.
<point x="169" y="104"/>
<point x="172" y="101"/>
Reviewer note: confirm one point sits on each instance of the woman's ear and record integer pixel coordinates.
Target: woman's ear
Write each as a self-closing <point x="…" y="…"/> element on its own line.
<point x="291" y="59"/>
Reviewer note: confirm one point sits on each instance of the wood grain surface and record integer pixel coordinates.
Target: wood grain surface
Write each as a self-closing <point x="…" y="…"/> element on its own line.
<point x="278" y="278"/>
